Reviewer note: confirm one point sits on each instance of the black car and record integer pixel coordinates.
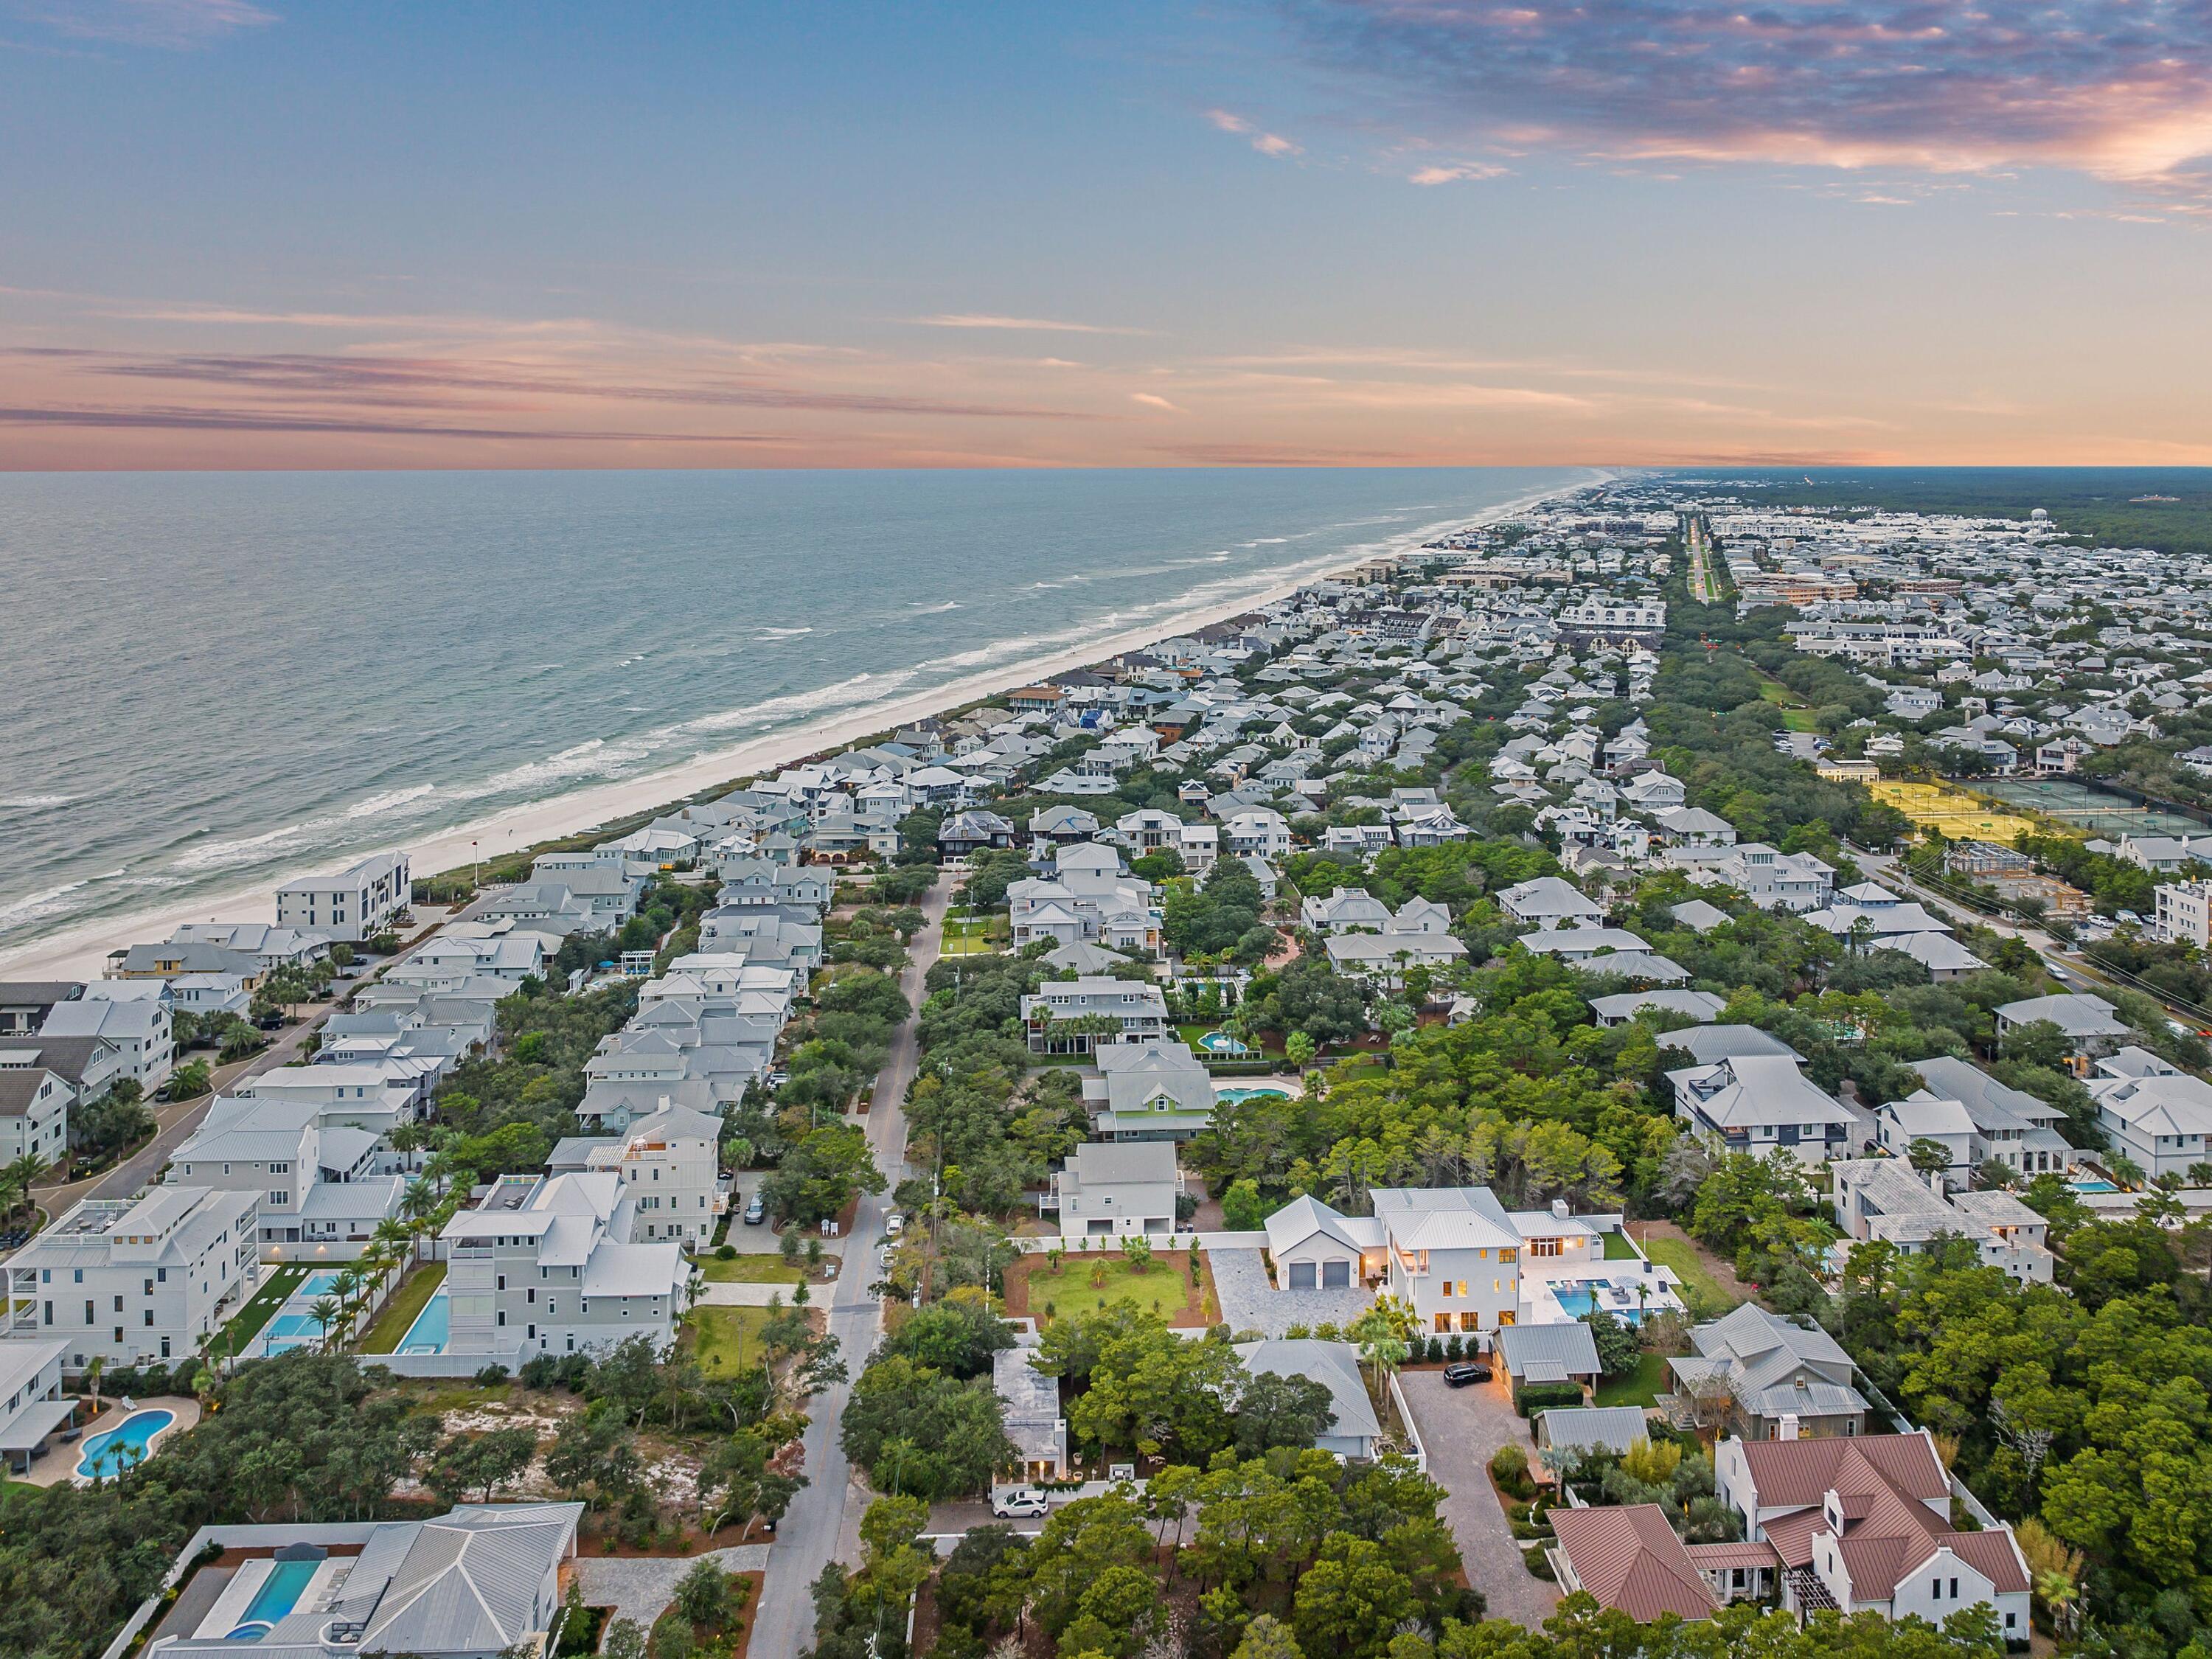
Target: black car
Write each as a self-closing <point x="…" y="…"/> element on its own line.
<point x="1459" y="1375"/>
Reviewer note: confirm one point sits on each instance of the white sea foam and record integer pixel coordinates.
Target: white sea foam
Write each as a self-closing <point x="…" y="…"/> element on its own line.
<point x="33" y="803"/>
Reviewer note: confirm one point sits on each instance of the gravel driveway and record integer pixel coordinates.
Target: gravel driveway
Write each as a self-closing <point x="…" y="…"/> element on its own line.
<point x="1460" y="1427"/>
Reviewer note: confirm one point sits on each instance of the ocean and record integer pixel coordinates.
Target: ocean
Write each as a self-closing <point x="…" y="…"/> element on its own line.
<point x="209" y="681"/>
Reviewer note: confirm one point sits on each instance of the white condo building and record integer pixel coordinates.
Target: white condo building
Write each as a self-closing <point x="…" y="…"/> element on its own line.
<point x="357" y="904"/>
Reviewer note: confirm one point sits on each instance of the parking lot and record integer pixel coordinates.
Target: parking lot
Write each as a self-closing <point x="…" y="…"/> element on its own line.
<point x="1460" y="1428"/>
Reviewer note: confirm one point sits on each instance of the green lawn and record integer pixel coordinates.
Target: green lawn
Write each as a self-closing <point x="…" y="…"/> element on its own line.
<point x="751" y="1270"/>
<point x="725" y="1340"/>
<point x="1701" y="1291"/>
<point x="400" y="1313"/>
<point x="1639" y="1387"/>
<point x="1165" y="1281"/>
<point x="245" y="1324"/>
<point x="1795" y="716"/>
<point x="1618" y="1248"/>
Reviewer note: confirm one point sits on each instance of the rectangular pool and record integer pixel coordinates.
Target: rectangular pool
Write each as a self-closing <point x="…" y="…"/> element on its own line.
<point x="431" y="1328"/>
<point x="324" y="1281"/>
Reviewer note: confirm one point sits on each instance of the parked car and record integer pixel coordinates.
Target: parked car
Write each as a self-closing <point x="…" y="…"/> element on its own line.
<point x="755" y="1211"/>
<point x="894" y="1224"/>
<point x="1459" y="1375"/>
<point x="1018" y="1502"/>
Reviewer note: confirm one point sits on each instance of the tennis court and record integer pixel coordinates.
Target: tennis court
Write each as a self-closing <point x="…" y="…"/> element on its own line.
<point x="2079" y="806"/>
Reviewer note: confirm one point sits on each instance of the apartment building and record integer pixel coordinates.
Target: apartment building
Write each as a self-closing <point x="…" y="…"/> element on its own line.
<point x="323" y="1182"/>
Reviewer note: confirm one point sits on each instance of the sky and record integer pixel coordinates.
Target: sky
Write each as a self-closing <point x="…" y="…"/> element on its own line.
<point x="282" y="234"/>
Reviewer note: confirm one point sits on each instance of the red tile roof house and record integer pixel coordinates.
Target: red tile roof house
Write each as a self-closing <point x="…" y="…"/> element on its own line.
<point x="1629" y="1558"/>
<point x="1865" y="1525"/>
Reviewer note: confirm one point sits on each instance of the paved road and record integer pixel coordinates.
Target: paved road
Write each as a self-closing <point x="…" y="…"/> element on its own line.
<point x="1461" y="1428"/>
<point x="173" y="1125"/>
<point x="823" y="1521"/>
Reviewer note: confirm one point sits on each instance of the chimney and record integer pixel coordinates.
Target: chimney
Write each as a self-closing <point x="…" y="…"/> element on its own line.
<point x="1559" y="1208"/>
<point x="1788" y="1430"/>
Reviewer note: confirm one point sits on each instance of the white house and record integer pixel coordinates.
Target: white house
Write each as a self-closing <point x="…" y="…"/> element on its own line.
<point x="2159" y="1118"/>
<point x="1111" y="1187"/>
<point x="1883" y="1199"/>
<point x="31" y="1403"/>
<point x="1864" y="1525"/>
<point x="1140" y="1010"/>
<point x="33" y="1112"/>
<point x="1549" y="902"/>
<point x="134" y="1281"/>
<point x="670" y="1163"/>
<point x="323" y="1182"/>
<point x="140" y="1027"/>
<point x="549" y="1264"/>
<point x="1757" y="1102"/>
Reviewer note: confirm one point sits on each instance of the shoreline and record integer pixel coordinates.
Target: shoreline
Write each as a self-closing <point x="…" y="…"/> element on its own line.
<point x="82" y="952"/>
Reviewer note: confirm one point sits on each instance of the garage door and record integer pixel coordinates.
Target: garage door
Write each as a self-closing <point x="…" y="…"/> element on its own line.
<point x="1335" y="1275"/>
<point x="1302" y="1275"/>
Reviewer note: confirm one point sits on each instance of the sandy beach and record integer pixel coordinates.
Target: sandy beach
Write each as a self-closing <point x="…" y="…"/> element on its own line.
<point x="83" y="952"/>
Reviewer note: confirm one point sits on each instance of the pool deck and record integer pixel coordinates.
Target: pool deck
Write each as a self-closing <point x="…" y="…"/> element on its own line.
<point x="59" y="1464"/>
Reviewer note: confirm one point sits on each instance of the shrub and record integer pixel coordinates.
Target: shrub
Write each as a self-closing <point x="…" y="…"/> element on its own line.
<point x="1508" y="1468"/>
<point x="1533" y="1397"/>
<point x="491" y="1377"/>
<point x="726" y="1252"/>
<point x="1456" y="1349"/>
<point x="1539" y="1565"/>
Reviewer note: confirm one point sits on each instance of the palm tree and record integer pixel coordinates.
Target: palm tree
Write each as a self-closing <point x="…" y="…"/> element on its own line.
<point x="326" y="1312"/>
<point x="92" y="1375"/>
<point x="347" y="1285"/>
<point x="16" y="1180"/>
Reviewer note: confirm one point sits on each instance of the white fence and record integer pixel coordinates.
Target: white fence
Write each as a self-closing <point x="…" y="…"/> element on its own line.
<point x="1110" y="1243"/>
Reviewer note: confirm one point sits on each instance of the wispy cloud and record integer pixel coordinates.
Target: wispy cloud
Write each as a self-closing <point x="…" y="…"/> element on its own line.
<point x="1454" y="173"/>
<point x="1267" y="144"/>
<point x="1154" y="400"/>
<point x="417" y="382"/>
<point x="176" y="418"/>
<point x="2117" y="88"/>
<point x="1035" y="325"/>
<point x="175" y="24"/>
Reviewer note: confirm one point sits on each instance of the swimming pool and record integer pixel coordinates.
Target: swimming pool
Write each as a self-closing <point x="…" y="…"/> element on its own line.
<point x="2092" y="1187"/>
<point x="279" y="1594"/>
<point x="1220" y="1042"/>
<point x="1578" y="1299"/>
<point x="324" y="1281"/>
<point x="110" y="1452"/>
<point x="432" y="1327"/>
<point x="1232" y="1097"/>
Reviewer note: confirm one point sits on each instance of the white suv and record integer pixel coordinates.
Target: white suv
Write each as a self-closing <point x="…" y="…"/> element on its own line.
<point x="1017" y="1503"/>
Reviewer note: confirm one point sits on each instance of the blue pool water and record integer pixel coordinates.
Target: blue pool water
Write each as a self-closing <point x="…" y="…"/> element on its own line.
<point x="2093" y="1185"/>
<point x="279" y="1594"/>
<point x="1580" y="1302"/>
<point x="1220" y="1042"/>
<point x="321" y="1283"/>
<point x="108" y="1454"/>
<point x="1233" y="1095"/>
<point x="428" y="1333"/>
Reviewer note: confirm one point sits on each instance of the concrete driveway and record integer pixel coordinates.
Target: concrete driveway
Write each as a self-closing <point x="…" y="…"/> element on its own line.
<point x="1460" y="1427"/>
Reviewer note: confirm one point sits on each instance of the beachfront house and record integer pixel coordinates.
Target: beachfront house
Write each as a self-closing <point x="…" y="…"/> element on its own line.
<point x="357" y="904"/>
<point x="34" y="1106"/>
